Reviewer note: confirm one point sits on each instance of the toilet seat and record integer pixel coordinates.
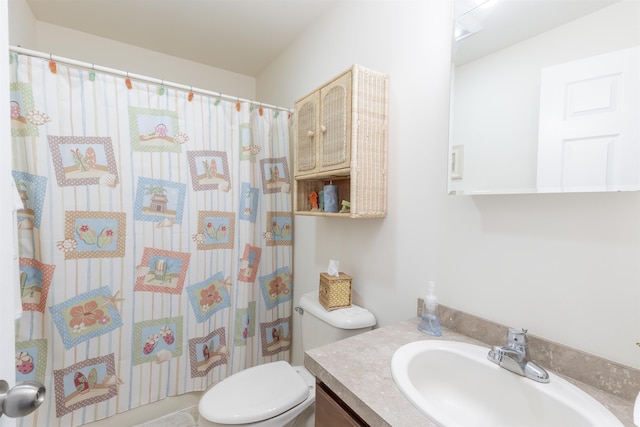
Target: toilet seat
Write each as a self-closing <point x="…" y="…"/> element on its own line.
<point x="263" y="391"/>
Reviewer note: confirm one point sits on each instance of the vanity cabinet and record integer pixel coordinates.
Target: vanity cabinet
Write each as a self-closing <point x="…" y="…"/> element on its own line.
<point x="340" y="138"/>
<point x="333" y="412"/>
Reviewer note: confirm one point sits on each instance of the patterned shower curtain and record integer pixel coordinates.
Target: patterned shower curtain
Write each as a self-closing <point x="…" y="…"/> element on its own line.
<point x="154" y="234"/>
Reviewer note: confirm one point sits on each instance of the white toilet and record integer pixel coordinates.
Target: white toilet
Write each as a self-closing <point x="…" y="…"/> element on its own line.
<point x="277" y="394"/>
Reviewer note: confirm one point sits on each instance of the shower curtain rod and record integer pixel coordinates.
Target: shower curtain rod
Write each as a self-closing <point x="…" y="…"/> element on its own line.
<point x="133" y="76"/>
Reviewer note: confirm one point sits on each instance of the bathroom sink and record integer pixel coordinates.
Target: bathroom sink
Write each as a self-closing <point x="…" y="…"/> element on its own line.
<point x="454" y="384"/>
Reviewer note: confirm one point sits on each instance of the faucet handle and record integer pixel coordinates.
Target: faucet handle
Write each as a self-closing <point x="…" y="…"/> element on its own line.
<point x="517" y="338"/>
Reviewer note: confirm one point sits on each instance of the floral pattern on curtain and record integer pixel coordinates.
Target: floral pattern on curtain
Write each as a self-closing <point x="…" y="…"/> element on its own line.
<point x="155" y="239"/>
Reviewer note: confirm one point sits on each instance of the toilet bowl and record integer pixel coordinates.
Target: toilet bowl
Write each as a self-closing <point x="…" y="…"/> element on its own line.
<point x="277" y="394"/>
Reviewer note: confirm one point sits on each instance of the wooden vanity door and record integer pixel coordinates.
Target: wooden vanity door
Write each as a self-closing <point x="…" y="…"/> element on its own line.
<point x="332" y="412"/>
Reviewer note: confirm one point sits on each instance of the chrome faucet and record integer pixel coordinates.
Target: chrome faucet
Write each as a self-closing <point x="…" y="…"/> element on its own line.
<point x="515" y="357"/>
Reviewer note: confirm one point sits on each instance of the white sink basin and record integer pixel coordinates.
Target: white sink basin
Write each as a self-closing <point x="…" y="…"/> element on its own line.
<point x="454" y="384"/>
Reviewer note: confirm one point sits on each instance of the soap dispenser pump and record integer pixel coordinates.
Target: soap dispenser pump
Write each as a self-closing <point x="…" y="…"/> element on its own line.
<point x="429" y="321"/>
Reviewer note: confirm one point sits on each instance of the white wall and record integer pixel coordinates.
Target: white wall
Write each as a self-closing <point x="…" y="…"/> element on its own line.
<point x="567" y="267"/>
<point x="22" y="25"/>
<point x="29" y="33"/>
<point x="496" y="99"/>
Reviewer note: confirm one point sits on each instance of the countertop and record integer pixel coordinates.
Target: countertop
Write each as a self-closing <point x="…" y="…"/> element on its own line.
<point x="358" y="371"/>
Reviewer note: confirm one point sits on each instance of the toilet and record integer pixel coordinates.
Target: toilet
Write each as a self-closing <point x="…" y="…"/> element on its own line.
<point x="277" y="394"/>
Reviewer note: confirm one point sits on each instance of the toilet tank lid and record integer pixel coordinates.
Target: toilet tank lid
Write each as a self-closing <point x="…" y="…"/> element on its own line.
<point x="354" y="317"/>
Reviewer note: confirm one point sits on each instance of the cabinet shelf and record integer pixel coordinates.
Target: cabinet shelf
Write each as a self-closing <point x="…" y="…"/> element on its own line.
<point x="336" y="174"/>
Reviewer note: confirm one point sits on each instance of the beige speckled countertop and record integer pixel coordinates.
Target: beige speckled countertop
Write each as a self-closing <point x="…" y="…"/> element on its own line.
<point x="358" y="370"/>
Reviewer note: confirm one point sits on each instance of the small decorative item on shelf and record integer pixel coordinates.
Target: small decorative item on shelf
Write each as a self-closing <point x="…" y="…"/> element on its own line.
<point x="331" y="198"/>
<point x="313" y="199"/>
<point x="346" y="207"/>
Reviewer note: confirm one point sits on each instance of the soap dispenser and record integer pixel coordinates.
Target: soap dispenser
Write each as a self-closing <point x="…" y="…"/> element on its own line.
<point x="429" y="321"/>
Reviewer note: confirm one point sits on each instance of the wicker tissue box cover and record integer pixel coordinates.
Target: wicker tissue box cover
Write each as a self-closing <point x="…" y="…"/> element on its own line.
<point x="335" y="292"/>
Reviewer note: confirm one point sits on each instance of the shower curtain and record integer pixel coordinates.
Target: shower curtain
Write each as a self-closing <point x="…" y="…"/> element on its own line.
<point x="154" y="230"/>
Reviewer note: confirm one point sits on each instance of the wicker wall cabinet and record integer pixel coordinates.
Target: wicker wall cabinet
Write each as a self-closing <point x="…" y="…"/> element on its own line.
<point x="341" y="139"/>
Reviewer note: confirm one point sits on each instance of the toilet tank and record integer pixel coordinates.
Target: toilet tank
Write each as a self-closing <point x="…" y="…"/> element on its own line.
<point x="320" y="327"/>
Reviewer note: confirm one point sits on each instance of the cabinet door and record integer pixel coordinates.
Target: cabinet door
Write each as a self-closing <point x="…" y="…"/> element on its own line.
<point x="335" y="124"/>
<point x="330" y="413"/>
<point x="307" y="135"/>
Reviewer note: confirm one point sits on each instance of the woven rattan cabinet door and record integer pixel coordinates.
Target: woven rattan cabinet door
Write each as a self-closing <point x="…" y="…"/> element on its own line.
<point x="335" y="124"/>
<point x="307" y="115"/>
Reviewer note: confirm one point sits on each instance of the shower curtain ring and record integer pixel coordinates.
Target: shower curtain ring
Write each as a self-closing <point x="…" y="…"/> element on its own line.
<point x="52" y="65"/>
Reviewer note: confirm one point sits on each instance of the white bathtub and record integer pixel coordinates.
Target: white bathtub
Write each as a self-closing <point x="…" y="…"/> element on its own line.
<point x="186" y="402"/>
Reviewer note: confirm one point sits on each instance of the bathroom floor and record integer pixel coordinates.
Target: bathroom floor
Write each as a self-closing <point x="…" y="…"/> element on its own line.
<point x="179" y="419"/>
<point x="177" y="411"/>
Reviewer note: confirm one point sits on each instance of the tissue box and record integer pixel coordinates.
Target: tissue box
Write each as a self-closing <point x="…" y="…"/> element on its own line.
<point x="335" y="292"/>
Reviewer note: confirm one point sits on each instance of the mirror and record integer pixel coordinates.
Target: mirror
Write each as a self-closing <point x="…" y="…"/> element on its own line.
<point x="545" y="97"/>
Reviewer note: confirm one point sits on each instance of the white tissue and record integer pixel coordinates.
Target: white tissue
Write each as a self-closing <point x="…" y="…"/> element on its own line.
<point x="333" y="268"/>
